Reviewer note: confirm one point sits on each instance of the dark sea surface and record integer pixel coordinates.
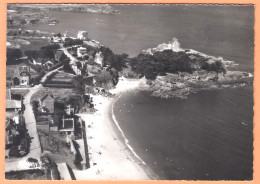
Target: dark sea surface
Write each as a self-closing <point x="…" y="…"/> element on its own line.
<point x="209" y="135"/>
<point x="206" y="136"/>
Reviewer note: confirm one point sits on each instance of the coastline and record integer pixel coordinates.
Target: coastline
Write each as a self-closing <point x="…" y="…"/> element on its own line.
<point x="111" y="158"/>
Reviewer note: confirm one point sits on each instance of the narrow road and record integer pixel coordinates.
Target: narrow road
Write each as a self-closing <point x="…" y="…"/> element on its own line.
<point x="66" y="52"/>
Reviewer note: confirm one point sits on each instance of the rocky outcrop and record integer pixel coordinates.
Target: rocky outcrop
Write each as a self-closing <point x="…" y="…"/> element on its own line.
<point x="207" y="72"/>
<point x="182" y="84"/>
<point x="92" y="43"/>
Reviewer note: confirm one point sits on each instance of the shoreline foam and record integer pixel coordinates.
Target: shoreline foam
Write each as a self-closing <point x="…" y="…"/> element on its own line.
<point x="111" y="157"/>
<point x="126" y="141"/>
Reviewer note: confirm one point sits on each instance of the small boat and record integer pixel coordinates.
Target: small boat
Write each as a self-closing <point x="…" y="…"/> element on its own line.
<point x="245" y="124"/>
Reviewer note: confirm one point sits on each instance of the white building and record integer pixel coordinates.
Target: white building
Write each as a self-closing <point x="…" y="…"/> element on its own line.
<point x="82" y="35"/>
<point x="81" y="51"/>
<point x="99" y="58"/>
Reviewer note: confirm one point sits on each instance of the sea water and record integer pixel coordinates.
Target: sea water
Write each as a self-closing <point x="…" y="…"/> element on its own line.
<point x="209" y="135"/>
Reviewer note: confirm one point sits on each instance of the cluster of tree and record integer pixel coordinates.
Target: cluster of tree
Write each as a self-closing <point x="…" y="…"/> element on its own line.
<point x="169" y="61"/>
<point x="67" y="67"/>
<point x="161" y="63"/>
<point x="44" y="52"/>
<point x="117" y="61"/>
<point x="21" y="141"/>
<point x="78" y="84"/>
<point x="12" y="55"/>
<point x="70" y="42"/>
<point x="35" y="106"/>
<point x="51" y="47"/>
<point x="104" y="80"/>
<point x="216" y="66"/>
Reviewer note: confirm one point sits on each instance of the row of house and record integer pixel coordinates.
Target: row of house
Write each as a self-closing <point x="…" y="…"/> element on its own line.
<point x="60" y="38"/>
<point x="11" y="104"/>
<point x="69" y="125"/>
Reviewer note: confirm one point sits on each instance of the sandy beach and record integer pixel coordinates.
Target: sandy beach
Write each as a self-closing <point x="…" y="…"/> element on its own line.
<point x="111" y="158"/>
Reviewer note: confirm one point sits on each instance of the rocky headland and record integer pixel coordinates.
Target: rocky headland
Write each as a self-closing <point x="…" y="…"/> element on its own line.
<point x="204" y="73"/>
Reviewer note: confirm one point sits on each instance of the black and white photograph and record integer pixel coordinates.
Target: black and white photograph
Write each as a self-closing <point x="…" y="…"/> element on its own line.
<point x="129" y="92"/>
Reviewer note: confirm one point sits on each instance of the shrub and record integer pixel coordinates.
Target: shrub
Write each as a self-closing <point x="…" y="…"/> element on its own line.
<point x="51" y="47"/>
<point x="13" y="54"/>
<point x="216" y="66"/>
<point x="67" y="67"/>
<point x="14" y="152"/>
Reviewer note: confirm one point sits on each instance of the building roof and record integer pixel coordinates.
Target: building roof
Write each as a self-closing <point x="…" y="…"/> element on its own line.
<point x="67" y="124"/>
<point x="46" y="95"/>
<point x="58" y="54"/>
<point x="24" y="69"/>
<point x="13" y="104"/>
<point x="8" y="94"/>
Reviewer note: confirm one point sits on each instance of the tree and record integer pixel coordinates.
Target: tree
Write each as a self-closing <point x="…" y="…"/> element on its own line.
<point x="161" y="63"/>
<point x="51" y="47"/>
<point x="16" y="81"/>
<point x="104" y="79"/>
<point x="66" y="66"/>
<point x="13" y="54"/>
<point x="78" y="84"/>
<point x="216" y="66"/>
<point x="31" y="54"/>
<point x="58" y="35"/>
<point x="14" y="152"/>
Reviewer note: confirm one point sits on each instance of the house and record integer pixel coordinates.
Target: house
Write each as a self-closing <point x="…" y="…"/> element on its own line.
<point x="65" y="35"/>
<point x="58" y="54"/>
<point x="48" y="64"/>
<point x="69" y="110"/>
<point x="13" y="105"/>
<point x="81" y="51"/>
<point x="56" y="39"/>
<point x="37" y="62"/>
<point x="16" y="120"/>
<point x="53" y="126"/>
<point x="76" y="69"/>
<point x="8" y="94"/>
<point x="82" y="35"/>
<point x="67" y="125"/>
<point x="99" y="58"/>
<point x="46" y="103"/>
<point x="24" y="75"/>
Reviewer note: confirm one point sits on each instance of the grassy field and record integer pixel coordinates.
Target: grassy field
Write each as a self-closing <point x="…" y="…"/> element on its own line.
<point x="35" y="44"/>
